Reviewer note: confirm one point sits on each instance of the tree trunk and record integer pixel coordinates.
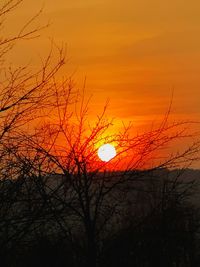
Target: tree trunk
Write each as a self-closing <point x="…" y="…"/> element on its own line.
<point x="91" y="256"/>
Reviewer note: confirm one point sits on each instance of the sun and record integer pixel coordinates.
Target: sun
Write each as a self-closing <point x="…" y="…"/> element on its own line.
<point x="106" y="152"/>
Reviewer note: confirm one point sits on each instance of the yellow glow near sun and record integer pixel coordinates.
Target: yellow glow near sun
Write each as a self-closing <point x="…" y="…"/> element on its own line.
<point x="106" y="152"/>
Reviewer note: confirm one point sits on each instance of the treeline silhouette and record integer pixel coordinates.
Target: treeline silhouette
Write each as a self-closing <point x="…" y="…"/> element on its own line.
<point x="59" y="204"/>
<point x="156" y="224"/>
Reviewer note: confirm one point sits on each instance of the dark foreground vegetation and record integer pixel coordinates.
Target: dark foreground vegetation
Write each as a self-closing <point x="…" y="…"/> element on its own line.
<point x="154" y="223"/>
<point x="59" y="204"/>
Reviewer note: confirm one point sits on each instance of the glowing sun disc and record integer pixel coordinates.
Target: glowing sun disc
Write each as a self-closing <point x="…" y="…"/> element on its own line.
<point x="106" y="152"/>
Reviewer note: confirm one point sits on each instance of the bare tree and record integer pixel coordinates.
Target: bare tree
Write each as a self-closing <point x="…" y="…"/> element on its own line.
<point x="25" y="96"/>
<point x="23" y="93"/>
<point x="52" y="175"/>
<point x="90" y="195"/>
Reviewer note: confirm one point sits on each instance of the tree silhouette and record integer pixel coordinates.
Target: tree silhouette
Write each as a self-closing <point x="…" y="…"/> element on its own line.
<point x="24" y="94"/>
<point x="53" y="185"/>
<point x="90" y="195"/>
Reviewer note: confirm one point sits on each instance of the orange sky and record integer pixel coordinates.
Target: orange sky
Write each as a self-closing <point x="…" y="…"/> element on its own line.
<point x="132" y="52"/>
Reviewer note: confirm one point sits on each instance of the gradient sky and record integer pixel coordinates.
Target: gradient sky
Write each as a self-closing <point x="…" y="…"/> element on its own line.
<point x="132" y="52"/>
